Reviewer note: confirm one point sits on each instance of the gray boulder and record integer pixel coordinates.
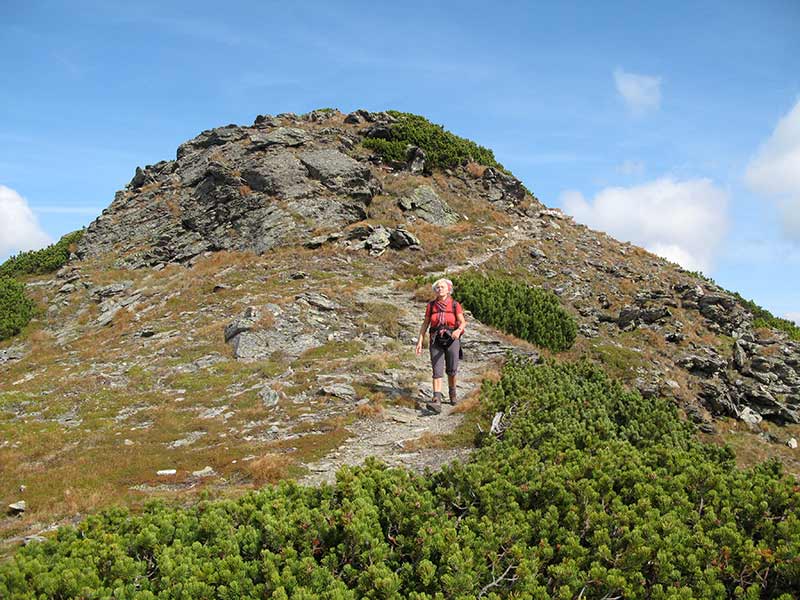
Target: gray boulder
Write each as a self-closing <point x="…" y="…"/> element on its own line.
<point x="341" y="174"/>
<point x="425" y="203"/>
<point x="269" y="397"/>
<point x="253" y="194"/>
<point x="320" y="301"/>
<point x="245" y="322"/>
<point x="378" y="240"/>
<point x="415" y="158"/>
<point x="400" y="238"/>
<point x="12" y="353"/>
<point x="749" y="416"/>
<point x="500" y="186"/>
<point x="282" y="136"/>
<point x="339" y="390"/>
<point x="631" y="316"/>
<point x="281" y="175"/>
<point x="718" y="398"/>
<point x="212" y="137"/>
<point x="251" y="345"/>
<point x="708" y="363"/>
<point x="100" y="293"/>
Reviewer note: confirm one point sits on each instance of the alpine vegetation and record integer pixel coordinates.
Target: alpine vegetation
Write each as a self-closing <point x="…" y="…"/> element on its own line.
<point x="15" y="308"/>
<point x="583" y="490"/>
<point x="529" y="313"/>
<point x="442" y="148"/>
<point x="46" y="260"/>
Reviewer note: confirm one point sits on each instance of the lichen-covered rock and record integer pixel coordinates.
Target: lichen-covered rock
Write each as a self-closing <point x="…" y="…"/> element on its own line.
<point x="232" y="188"/>
<point x="341" y="174"/>
<point x="425" y="203"/>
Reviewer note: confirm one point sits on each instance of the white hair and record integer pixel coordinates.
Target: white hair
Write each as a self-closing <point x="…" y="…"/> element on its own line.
<point x="447" y="282"/>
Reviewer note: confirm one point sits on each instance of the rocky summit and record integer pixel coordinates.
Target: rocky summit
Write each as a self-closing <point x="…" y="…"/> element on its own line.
<point x="247" y="312"/>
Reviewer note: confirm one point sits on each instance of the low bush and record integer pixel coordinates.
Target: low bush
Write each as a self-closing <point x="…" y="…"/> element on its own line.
<point x="530" y="313"/>
<point x="46" y="260"/>
<point x="16" y="309"/>
<point x="764" y="318"/>
<point x="442" y="148"/>
<point x="591" y="491"/>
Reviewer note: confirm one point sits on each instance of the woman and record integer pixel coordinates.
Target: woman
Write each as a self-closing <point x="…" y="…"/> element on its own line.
<point x="444" y="318"/>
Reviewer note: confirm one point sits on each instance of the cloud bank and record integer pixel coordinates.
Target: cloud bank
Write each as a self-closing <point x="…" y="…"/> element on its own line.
<point x="641" y="93"/>
<point x="775" y="171"/>
<point x="683" y="221"/>
<point x="793" y="316"/>
<point x="19" y="228"/>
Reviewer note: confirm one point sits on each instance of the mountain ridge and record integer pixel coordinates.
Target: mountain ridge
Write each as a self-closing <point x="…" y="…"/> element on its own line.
<point x="315" y="247"/>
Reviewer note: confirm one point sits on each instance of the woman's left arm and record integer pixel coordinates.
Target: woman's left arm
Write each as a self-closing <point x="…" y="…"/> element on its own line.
<point x="462" y="325"/>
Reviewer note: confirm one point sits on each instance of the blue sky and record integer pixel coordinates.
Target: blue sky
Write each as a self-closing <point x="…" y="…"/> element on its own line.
<point x="674" y="126"/>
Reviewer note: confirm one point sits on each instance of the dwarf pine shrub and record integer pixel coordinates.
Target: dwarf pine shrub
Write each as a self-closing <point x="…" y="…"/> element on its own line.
<point x="530" y="313"/>
<point x="764" y="318"/>
<point x="592" y="492"/>
<point x="46" y="260"/>
<point x="442" y="148"/>
<point x="16" y="309"/>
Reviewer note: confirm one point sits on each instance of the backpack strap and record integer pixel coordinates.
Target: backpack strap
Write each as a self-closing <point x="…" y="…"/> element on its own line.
<point x="452" y="304"/>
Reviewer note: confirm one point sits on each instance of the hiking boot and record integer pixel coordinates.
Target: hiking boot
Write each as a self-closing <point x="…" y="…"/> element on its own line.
<point x="452" y="398"/>
<point x="435" y="404"/>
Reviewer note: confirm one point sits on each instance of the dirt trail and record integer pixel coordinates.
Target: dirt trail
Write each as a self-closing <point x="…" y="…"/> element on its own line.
<point x="387" y="435"/>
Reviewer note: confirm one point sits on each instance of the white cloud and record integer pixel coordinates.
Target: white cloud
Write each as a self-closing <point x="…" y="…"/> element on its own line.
<point x="775" y="170"/>
<point x="793" y="316"/>
<point x="641" y="93"/>
<point x="683" y="221"/>
<point x="19" y="228"/>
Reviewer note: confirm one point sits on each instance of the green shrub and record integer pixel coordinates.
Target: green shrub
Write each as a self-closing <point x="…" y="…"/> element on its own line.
<point x="442" y="148"/>
<point x="763" y="318"/>
<point x="46" y="260"/>
<point x="16" y="309"/>
<point x="530" y="313"/>
<point x="592" y="492"/>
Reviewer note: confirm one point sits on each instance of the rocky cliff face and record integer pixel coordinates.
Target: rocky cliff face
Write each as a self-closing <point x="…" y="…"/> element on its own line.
<point x="254" y="297"/>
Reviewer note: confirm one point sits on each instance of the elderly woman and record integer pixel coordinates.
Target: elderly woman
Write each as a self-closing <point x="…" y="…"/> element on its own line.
<point x="444" y="319"/>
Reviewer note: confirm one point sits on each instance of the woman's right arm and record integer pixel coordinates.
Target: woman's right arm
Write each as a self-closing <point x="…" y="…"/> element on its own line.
<point x="421" y="338"/>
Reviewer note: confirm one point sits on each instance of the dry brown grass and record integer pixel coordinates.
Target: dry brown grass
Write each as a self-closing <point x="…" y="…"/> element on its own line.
<point x="40" y="339"/>
<point x="423" y="293"/>
<point x="469" y="404"/>
<point x="752" y="448"/>
<point x="771" y="350"/>
<point x="426" y="441"/>
<point x="217" y="261"/>
<point x="122" y="323"/>
<point x="270" y="468"/>
<point x="475" y="169"/>
<point x="266" y="321"/>
<point x="369" y="410"/>
<point x="245" y="190"/>
<point x="173" y="207"/>
<point x="385" y="208"/>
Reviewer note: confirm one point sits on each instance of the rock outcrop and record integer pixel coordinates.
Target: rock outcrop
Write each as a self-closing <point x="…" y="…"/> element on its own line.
<point x="235" y="188"/>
